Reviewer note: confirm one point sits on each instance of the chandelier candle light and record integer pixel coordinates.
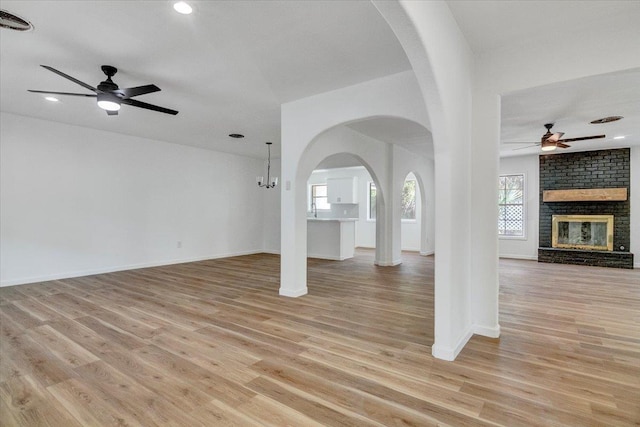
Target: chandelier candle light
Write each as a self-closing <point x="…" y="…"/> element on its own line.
<point x="271" y="182"/>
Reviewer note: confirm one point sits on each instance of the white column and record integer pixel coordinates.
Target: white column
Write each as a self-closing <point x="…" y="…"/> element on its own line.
<point x="293" y="222"/>
<point x="484" y="199"/>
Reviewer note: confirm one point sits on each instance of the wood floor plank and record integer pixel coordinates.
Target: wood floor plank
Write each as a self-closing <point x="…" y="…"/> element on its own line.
<point x="64" y="348"/>
<point x="87" y="407"/>
<point x="466" y="404"/>
<point x="28" y="357"/>
<point x="329" y="392"/>
<point x="20" y="317"/>
<point x="131" y="397"/>
<point x="28" y="403"/>
<point x="111" y="333"/>
<point x="313" y="409"/>
<point x="86" y="337"/>
<point x="216" y="413"/>
<point x="268" y="412"/>
<point x="36" y="309"/>
<point x="212" y="343"/>
<point x="183" y="394"/>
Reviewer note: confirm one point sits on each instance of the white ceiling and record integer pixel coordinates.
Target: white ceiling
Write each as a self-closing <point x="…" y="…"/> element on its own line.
<point x="229" y="66"/>
<point x="226" y="68"/>
<point x="493" y="24"/>
<point x="572" y="106"/>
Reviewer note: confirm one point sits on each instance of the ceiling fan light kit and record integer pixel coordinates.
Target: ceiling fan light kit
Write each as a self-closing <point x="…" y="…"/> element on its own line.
<point x="108" y="102"/>
<point x="551" y="141"/>
<point x="109" y="96"/>
<point x="548" y="145"/>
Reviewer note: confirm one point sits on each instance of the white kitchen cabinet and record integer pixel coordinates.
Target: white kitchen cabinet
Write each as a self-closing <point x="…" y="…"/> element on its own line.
<point x="342" y="190"/>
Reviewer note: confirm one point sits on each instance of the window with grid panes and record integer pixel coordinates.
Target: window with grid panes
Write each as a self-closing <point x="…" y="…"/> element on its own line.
<point x="511" y="205"/>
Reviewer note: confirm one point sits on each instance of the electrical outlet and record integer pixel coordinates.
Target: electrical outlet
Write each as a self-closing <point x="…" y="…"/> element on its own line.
<point x="179" y="245"/>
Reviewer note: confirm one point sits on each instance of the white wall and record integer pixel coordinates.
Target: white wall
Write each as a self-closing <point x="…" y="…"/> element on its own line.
<point x="634" y="195"/>
<point x="526" y="248"/>
<point x="271" y="211"/>
<point x="77" y="201"/>
<point x="365" y="228"/>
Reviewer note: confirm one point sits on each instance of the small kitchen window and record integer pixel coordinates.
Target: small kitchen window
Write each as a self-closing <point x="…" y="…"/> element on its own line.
<point x="319" y="197"/>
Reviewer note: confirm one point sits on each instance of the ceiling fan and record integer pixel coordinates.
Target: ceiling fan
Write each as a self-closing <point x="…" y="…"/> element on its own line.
<point x="551" y="141"/>
<point x="109" y="95"/>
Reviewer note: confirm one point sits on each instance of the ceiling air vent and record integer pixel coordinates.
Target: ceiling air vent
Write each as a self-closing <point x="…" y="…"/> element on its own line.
<point x="14" y="22"/>
<point x="606" y="120"/>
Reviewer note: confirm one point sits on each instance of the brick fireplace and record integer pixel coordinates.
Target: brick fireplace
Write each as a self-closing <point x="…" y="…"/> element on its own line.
<point x="593" y="175"/>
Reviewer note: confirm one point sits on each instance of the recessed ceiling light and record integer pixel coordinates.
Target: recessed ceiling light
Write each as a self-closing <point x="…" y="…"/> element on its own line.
<point x="618" y="137"/>
<point x="51" y="98"/>
<point x="236" y="135"/>
<point x="606" y="120"/>
<point x="182" y="7"/>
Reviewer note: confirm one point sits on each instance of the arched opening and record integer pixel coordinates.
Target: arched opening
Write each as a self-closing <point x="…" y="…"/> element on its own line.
<point x="385" y="145"/>
<point x="343" y="195"/>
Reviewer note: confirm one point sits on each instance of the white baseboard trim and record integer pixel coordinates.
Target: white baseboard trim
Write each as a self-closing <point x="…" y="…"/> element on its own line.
<point x="428" y="253"/>
<point x="329" y="257"/>
<point x="636" y="264"/>
<point x="487" y="331"/>
<point x="89" y="272"/>
<point x="271" y="252"/>
<point x="387" y="264"/>
<point x="450" y="354"/>
<point x="517" y="256"/>
<point x="293" y="293"/>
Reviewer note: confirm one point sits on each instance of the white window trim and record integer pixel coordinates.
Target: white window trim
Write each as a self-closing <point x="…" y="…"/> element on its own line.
<point x="525" y="208"/>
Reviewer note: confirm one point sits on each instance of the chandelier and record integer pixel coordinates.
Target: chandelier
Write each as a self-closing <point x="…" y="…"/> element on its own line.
<point x="271" y="182"/>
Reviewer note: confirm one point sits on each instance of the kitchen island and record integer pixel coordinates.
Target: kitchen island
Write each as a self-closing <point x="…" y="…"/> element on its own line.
<point x="331" y="238"/>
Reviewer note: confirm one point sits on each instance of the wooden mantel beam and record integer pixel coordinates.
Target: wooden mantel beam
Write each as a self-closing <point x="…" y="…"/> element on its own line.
<point x="586" y="195"/>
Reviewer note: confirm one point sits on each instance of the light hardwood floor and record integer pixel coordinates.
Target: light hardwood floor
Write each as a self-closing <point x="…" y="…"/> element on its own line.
<point x="211" y="343"/>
